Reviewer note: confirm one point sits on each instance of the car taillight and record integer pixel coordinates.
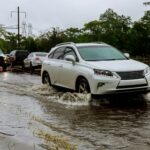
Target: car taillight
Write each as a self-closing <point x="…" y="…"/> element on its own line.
<point x="37" y="58"/>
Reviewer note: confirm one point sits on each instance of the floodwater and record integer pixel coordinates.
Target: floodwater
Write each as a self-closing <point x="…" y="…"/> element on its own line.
<point x="47" y="118"/>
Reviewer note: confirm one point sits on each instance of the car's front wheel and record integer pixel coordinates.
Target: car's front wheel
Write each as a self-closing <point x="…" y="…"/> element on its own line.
<point x="46" y="78"/>
<point x="83" y="86"/>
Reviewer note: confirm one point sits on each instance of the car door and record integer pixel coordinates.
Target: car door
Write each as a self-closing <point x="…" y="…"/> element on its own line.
<point x="54" y="65"/>
<point x="68" y="70"/>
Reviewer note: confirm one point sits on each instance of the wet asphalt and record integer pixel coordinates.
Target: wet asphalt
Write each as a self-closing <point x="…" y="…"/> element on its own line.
<point x="50" y="118"/>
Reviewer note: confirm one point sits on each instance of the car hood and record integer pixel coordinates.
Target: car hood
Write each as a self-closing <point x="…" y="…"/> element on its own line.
<point x="117" y="65"/>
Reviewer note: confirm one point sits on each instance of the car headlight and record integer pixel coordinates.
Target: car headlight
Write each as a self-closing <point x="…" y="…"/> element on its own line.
<point x="147" y="71"/>
<point x="104" y="73"/>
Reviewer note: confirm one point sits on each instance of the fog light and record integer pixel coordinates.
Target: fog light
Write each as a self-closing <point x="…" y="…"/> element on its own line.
<point x="100" y="84"/>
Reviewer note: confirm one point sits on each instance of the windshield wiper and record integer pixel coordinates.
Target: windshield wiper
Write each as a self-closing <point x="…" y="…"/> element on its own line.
<point x="105" y="59"/>
<point x="115" y="59"/>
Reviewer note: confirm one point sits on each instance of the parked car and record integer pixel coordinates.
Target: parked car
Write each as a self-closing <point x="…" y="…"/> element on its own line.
<point x="17" y="57"/>
<point x="94" y="68"/>
<point x="34" y="60"/>
<point x="3" y="60"/>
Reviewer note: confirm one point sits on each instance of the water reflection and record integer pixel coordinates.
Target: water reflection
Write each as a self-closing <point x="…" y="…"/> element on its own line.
<point x="118" y="117"/>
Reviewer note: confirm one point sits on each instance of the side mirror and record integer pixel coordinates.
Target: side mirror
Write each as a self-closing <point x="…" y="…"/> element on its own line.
<point x="70" y="58"/>
<point x="127" y="55"/>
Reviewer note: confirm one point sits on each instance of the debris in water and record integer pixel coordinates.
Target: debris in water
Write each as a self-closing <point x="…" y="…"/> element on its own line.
<point x="55" y="142"/>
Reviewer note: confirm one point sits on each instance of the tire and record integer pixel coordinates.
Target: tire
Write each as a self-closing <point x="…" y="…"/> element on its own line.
<point x="83" y="86"/>
<point x="46" y="79"/>
<point x="31" y="68"/>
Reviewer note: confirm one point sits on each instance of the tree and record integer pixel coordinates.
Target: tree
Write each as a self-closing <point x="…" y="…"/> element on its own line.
<point x="30" y="44"/>
<point x="71" y="34"/>
<point x="93" y="30"/>
<point x="140" y="36"/>
<point x="115" y="28"/>
<point x="11" y="39"/>
<point x="146" y="3"/>
<point x="2" y="32"/>
<point x="49" y="39"/>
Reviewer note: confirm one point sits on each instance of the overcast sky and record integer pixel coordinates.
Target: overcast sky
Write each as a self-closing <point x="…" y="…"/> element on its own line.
<point x="44" y="14"/>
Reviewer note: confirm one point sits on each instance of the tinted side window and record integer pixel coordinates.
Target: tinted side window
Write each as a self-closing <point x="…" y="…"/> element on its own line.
<point x="51" y="55"/>
<point x="70" y="51"/>
<point x="58" y="53"/>
<point x="21" y="54"/>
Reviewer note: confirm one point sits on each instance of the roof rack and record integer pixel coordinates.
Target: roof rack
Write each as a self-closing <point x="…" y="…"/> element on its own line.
<point x="65" y="43"/>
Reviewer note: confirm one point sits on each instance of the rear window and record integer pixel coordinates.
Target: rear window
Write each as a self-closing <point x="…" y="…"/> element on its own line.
<point x="22" y="53"/>
<point x="41" y="54"/>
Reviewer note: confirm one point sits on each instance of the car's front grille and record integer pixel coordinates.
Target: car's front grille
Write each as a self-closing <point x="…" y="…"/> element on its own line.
<point x="131" y="75"/>
<point x="132" y="86"/>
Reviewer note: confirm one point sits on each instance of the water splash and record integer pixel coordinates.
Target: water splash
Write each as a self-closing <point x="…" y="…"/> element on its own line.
<point x="74" y="99"/>
<point x="67" y="98"/>
<point x="44" y="90"/>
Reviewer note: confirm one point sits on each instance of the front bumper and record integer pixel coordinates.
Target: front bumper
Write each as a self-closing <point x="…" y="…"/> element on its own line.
<point x="108" y="85"/>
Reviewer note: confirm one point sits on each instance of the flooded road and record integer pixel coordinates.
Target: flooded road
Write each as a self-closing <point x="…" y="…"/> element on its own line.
<point x="39" y="117"/>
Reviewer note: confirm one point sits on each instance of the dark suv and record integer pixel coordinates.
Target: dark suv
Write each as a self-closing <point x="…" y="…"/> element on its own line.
<point x="17" y="57"/>
<point x="3" y="61"/>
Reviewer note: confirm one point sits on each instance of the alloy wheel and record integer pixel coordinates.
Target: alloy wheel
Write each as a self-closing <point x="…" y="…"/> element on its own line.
<point x="83" y="87"/>
<point x="46" y="79"/>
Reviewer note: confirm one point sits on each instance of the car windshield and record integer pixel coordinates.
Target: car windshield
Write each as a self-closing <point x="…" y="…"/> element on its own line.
<point x="100" y="53"/>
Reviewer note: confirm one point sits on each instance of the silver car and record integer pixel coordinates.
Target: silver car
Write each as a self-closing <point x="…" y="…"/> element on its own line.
<point x="94" y="68"/>
<point x="34" y="60"/>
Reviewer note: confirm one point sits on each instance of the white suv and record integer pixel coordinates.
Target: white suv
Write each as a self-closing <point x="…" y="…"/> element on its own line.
<point x="95" y="68"/>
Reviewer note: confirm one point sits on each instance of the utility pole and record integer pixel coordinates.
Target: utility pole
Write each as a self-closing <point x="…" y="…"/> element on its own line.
<point x="18" y="24"/>
<point x="18" y="28"/>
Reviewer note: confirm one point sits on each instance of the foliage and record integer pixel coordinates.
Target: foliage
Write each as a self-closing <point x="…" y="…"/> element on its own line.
<point x="115" y="28"/>
<point x="146" y="3"/>
<point x="140" y="36"/>
<point x="112" y="28"/>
